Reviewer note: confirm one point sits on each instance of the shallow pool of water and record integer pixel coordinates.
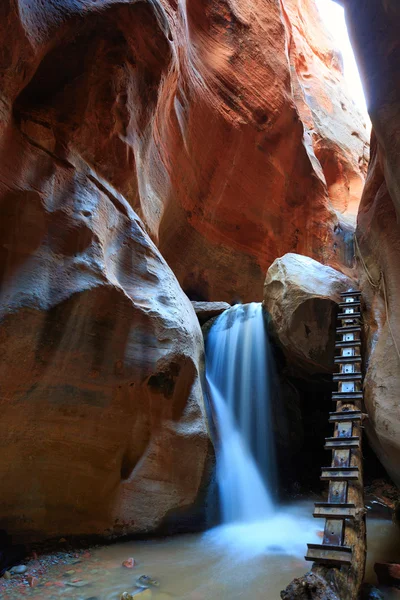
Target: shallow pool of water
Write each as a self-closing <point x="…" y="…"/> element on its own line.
<point x="227" y="563"/>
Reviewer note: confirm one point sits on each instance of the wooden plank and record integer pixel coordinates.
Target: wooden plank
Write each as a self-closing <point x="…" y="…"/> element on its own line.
<point x="347" y="304"/>
<point x="347" y="294"/>
<point x="340" y="473"/>
<point x="351" y="344"/>
<point x="329" y="554"/>
<point x="329" y="510"/>
<point x="349" y="329"/>
<point x="347" y="377"/>
<point x="340" y="396"/>
<point x="345" y="415"/>
<point x="336" y="443"/>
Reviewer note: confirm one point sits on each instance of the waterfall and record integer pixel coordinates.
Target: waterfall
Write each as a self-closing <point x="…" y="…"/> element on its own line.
<point x="238" y="372"/>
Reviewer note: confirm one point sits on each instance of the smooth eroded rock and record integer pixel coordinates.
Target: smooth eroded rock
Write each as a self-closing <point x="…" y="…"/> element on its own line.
<point x="374" y="29"/>
<point x="301" y="294"/>
<point x="208" y="310"/>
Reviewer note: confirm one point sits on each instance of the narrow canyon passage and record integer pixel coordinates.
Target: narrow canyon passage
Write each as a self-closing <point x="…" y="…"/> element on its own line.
<point x="188" y="191"/>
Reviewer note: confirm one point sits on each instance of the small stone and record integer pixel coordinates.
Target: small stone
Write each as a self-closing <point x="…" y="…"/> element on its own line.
<point x="18" y="569"/>
<point x="62" y="541"/>
<point x="70" y="572"/>
<point x="32" y="581"/>
<point x="7" y="575"/>
<point x="78" y="583"/>
<point x="145" y="581"/>
<point x="129" y="563"/>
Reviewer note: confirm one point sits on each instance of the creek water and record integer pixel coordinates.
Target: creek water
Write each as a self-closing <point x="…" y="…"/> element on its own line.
<point x="199" y="567"/>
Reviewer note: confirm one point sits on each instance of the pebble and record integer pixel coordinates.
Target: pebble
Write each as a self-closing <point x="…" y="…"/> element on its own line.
<point x="78" y="583"/>
<point x="18" y="569"/>
<point x="7" y="575"/>
<point x="129" y="563"/>
<point x="33" y="581"/>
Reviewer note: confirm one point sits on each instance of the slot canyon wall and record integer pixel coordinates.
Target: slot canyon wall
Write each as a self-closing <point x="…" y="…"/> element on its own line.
<point x="374" y="28"/>
<point x="148" y="149"/>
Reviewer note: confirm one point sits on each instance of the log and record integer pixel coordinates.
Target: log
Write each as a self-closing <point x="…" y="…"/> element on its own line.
<point x="334" y="583"/>
<point x="343" y="582"/>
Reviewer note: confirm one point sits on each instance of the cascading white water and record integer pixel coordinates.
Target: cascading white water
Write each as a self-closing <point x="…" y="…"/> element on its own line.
<point x="238" y="371"/>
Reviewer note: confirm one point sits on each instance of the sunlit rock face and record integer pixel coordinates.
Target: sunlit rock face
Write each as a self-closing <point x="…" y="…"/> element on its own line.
<point x="267" y="143"/>
<point x="226" y="126"/>
<point x="374" y="28"/>
<point x="334" y="127"/>
<point x="301" y="295"/>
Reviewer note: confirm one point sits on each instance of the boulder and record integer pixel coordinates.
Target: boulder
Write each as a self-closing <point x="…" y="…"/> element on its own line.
<point x="102" y="427"/>
<point x="301" y="294"/>
<point x="207" y="310"/>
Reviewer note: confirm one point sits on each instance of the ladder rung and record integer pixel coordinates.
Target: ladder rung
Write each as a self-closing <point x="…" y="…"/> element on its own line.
<point x="339" y="474"/>
<point x="329" y="554"/>
<point x="357" y="376"/>
<point x="349" y="329"/>
<point x="345" y="415"/>
<point x="347" y="294"/>
<point x="349" y="344"/>
<point x="347" y="359"/>
<point x="347" y="304"/>
<point x="342" y="443"/>
<point x="329" y="510"/>
<point x="338" y="396"/>
<point x="343" y="316"/>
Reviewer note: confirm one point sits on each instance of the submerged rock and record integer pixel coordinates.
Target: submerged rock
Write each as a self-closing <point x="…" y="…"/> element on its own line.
<point x="301" y="294"/>
<point x="145" y="581"/>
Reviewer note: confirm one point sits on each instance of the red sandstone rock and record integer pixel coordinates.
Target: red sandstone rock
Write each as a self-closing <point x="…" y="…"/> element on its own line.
<point x="102" y="428"/>
<point x="334" y="129"/>
<point x="186" y="116"/>
<point x="32" y="581"/>
<point x="129" y="563"/>
<point x="201" y="120"/>
<point x="374" y="27"/>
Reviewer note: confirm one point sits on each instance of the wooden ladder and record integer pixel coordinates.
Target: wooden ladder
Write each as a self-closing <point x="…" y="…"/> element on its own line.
<point x="345" y="444"/>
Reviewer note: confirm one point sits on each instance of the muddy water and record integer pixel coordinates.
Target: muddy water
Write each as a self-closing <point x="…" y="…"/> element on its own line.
<point x="223" y="564"/>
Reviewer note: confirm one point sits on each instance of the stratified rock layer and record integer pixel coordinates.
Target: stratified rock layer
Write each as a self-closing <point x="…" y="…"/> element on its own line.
<point x="374" y="26"/>
<point x="301" y="296"/>
<point x="219" y="137"/>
